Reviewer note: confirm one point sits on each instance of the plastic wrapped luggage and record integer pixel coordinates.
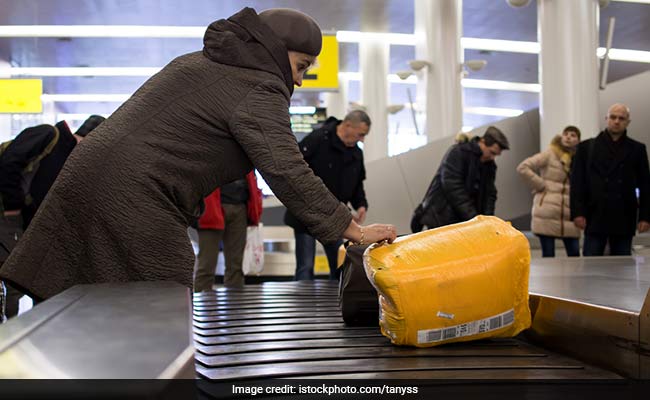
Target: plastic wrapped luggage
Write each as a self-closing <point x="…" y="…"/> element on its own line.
<point x="455" y="283"/>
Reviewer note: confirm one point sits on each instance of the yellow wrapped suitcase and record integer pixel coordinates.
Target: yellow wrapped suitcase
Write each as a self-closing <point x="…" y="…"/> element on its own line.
<point x="456" y="283"/>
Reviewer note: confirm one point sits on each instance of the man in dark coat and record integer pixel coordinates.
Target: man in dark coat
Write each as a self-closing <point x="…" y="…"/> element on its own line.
<point x="464" y="186"/>
<point x="204" y="120"/>
<point x="606" y="174"/>
<point x="28" y="168"/>
<point x="332" y="153"/>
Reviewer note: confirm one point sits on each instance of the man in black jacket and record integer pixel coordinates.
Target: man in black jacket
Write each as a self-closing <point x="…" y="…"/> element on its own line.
<point x="606" y="174"/>
<point x="332" y="153"/>
<point x="28" y="168"/>
<point x="463" y="186"/>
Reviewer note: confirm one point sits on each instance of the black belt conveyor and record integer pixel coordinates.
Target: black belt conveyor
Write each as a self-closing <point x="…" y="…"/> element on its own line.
<point x="294" y="330"/>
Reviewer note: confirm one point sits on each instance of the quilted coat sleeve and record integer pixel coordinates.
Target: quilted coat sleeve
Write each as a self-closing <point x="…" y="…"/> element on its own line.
<point x="452" y="177"/>
<point x="261" y="126"/>
<point x="530" y="169"/>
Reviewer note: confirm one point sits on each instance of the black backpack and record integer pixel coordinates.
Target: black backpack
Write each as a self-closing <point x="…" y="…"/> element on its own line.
<point x="29" y="171"/>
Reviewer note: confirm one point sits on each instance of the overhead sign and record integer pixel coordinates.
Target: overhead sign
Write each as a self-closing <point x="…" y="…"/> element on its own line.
<point x="21" y="95"/>
<point x="325" y="75"/>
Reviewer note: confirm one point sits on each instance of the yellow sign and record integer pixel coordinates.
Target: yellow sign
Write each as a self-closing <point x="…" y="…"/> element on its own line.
<point x="321" y="266"/>
<point x="21" y="95"/>
<point x="325" y="75"/>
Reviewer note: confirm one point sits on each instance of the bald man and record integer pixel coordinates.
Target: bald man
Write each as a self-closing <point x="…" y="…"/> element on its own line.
<point x="610" y="187"/>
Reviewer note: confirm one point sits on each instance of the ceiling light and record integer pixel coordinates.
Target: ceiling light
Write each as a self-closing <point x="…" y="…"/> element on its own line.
<point x="394" y="78"/>
<point x="468" y="83"/>
<point x="418" y="65"/>
<point x="518" y="3"/>
<point x="394" y="108"/>
<point x="123" y="31"/>
<point x="403" y="75"/>
<point x="302" y="110"/>
<point x="501" y="85"/>
<point x="500" y="112"/>
<point x="626" y="55"/>
<point x="404" y="39"/>
<point x="79" y="71"/>
<point x="475" y="65"/>
<point x="74" y="98"/>
<point x="514" y="46"/>
<point x="76" y="117"/>
<point x="197" y="32"/>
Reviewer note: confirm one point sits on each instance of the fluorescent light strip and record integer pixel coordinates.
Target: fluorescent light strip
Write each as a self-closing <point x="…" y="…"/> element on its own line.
<point x="393" y="78"/>
<point x="404" y="39"/>
<point x="59" y="98"/>
<point x="468" y="83"/>
<point x="123" y="31"/>
<point x="79" y="98"/>
<point x="626" y="55"/>
<point x="501" y="85"/>
<point x="302" y="110"/>
<point x="634" y="1"/>
<point x="513" y="46"/>
<point x="76" y="117"/>
<point x="501" y="112"/>
<point x="80" y="71"/>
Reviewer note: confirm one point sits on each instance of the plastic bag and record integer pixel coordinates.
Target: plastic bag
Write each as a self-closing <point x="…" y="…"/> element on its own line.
<point x="253" y="262"/>
<point x="456" y="283"/>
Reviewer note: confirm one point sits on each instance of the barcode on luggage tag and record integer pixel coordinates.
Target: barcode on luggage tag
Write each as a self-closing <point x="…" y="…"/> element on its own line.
<point x="467" y="329"/>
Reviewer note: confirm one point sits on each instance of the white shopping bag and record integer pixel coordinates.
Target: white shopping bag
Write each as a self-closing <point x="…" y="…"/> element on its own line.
<point x="254" y="251"/>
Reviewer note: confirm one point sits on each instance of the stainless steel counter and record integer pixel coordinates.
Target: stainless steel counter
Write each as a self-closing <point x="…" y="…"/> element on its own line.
<point x="133" y="330"/>
<point x="594" y="308"/>
<point x="616" y="282"/>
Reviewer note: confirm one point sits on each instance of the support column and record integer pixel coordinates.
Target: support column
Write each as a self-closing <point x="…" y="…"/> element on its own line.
<point x="568" y="67"/>
<point x="438" y="29"/>
<point x="5" y="119"/>
<point x="373" y="62"/>
<point x="336" y="103"/>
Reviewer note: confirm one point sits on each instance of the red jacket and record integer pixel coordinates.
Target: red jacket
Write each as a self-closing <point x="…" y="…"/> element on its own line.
<point x="212" y="218"/>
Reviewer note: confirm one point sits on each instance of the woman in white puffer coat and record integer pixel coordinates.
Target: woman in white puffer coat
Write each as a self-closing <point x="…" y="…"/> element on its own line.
<point x="548" y="175"/>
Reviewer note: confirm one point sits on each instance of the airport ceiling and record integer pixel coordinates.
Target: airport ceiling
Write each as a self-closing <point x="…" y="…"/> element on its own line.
<point x="491" y="19"/>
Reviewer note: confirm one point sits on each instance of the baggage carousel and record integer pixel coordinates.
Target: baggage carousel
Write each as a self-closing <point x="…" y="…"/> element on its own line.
<point x="295" y="330"/>
<point x="590" y="323"/>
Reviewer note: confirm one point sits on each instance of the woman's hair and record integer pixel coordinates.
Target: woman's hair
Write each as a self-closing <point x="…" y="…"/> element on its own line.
<point x="572" y="128"/>
<point x="461" y="138"/>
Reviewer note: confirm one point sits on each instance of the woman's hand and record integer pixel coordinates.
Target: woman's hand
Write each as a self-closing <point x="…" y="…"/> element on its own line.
<point x="371" y="233"/>
<point x="378" y="232"/>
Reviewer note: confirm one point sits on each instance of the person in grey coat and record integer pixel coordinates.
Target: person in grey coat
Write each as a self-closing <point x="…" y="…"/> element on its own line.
<point x="120" y="208"/>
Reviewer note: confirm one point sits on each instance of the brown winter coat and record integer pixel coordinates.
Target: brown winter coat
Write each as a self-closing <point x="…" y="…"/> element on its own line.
<point x="547" y="173"/>
<point x="121" y="205"/>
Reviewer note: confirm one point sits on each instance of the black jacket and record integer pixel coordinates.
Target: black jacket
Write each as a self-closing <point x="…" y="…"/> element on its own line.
<point x="340" y="167"/>
<point x="462" y="188"/>
<point x="604" y="178"/>
<point x="26" y="191"/>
